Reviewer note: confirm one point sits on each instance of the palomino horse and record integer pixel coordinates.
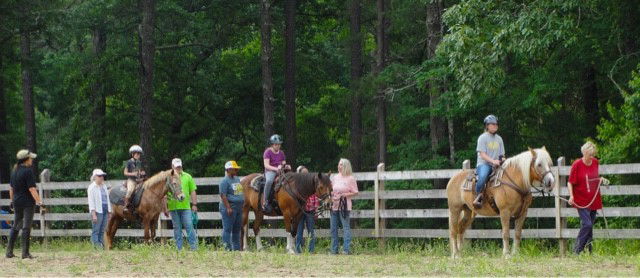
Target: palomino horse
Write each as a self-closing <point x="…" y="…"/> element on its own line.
<point x="151" y="205"/>
<point x="291" y="198"/>
<point x="511" y="198"/>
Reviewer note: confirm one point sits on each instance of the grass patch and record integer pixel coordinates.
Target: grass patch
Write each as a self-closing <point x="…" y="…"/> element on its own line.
<point x="409" y="257"/>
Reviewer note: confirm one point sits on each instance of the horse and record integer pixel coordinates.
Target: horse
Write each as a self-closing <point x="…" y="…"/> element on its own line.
<point x="511" y="197"/>
<point x="291" y="198"/>
<point x="151" y="205"/>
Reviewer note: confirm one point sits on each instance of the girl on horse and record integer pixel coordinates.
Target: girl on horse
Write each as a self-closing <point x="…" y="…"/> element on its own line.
<point x="134" y="173"/>
<point x="274" y="161"/>
<point x="490" y="150"/>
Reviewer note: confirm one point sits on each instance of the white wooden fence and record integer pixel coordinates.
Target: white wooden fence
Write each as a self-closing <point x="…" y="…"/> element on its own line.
<point x="379" y="214"/>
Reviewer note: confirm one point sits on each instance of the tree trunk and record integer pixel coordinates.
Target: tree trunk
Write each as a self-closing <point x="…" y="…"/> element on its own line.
<point x="355" y="146"/>
<point x="382" y="56"/>
<point x="147" y="51"/>
<point x="99" y="39"/>
<point x="290" y="141"/>
<point x="27" y="95"/>
<point x="4" y="155"/>
<point x="437" y="124"/>
<point x="265" y="59"/>
<point x="590" y="98"/>
<point x="452" y="148"/>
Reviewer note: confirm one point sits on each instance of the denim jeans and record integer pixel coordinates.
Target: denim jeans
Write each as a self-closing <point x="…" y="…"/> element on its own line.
<point x="97" y="229"/>
<point x="231" y="225"/>
<point x="483" y="171"/>
<point x="585" y="236"/>
<point x="336" y="216"/>
<point x="307" y="220"/>
<point x="182" y="218"/>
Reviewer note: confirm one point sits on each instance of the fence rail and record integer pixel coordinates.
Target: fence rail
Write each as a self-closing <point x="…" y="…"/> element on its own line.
<point x="379" y="213"/>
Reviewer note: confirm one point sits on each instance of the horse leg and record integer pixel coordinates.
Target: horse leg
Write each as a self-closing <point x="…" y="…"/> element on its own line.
<point x="519" y="223"/>
<point x="112" y="228"/>
<point x="463" y="225"/>
<point x="256" y="227"/>
<point x="505" y="217"/>
<point x="147" y="230"/>
<point x="290" y="232"/>
<point x="454" y="216"/>
<point x="154" y="227"/>
<point x="245" y="228"/>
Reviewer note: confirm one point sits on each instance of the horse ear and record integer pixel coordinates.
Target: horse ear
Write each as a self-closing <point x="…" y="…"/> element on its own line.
<point x="544" y="148"/>
<point x="320" y="175"/>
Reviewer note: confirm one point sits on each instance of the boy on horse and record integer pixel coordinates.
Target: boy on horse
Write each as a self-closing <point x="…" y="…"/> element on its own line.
<point x="274" y="162"/>
<point x="491" y="152"/>
<point x="134" y="172"/>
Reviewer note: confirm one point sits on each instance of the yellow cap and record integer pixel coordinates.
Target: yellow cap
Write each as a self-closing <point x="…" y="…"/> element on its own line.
<point x="231" y="165"/>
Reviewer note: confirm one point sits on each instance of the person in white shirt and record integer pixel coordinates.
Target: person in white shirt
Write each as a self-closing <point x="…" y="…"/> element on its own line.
<point x="99" y="207"/>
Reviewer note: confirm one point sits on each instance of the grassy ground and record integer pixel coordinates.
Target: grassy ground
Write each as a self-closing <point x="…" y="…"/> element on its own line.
<point x="399" y="258"/>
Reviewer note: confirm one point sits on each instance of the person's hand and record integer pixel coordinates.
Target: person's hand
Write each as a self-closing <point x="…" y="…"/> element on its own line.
<point x="495" y="162"/>
<point x="94" y="218"/>
<point x="11" y="208"/>
<point x="604" y="181"/>
<point x="280" y="167"/>
<point x="571" y="202"/>
<point x="194" y="208"/>
<point x="229" y="211"/>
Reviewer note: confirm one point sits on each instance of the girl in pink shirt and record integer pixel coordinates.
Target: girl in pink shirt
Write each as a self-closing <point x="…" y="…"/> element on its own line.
<point x="344" y="188"/>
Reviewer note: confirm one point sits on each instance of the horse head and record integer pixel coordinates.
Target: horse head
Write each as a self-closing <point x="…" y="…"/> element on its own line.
<point x="541" y="164"/>
<point x="174" y="185"/>
<point x="323" y="188"/>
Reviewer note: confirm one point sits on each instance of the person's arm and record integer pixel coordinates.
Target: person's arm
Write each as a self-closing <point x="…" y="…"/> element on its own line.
<point x="570" y="186"/>
<point x="35" y="195"/>
<point x="353" y="188"/>
<point x="573" y="180"/>
<point x="92" y="207"/>
<point x="225" y="201"/>
<point x="486" y="158"/>
<point x="268" y="167"/>
<point x="194" y="201"/>
<point x="11" y="197"/>
<point x="165" y="206"/>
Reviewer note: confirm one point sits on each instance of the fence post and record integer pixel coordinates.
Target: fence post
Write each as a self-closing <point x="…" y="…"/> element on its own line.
<point x="466" y="165"/>
<point x="45" y="177"/>
<point x="561" y="223"/>
<point x="378" y="205"/>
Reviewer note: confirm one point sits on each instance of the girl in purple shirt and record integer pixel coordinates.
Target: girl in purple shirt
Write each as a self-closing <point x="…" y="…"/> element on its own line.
<point x="274" y="160"/>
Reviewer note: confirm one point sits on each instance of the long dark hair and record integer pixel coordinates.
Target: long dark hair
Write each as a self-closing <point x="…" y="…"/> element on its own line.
<point x="19" y="162"/>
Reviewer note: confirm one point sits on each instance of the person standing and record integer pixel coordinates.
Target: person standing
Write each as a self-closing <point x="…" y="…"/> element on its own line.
<point x="182" y="211"/>
<point x="99" y="207"/>
<point x="345" y="188"/>
<point x="231" y="206"/>
<point x="24" y="197"/>
<point x="307" y="220"/>
<point x="584" y="193"/>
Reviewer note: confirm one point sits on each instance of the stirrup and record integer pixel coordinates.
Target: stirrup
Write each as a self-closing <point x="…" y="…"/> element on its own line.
<point x="478" y="201"/>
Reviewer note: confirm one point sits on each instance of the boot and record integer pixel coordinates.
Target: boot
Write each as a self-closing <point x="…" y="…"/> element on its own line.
<point x="126" y="204"/>
<point x="12" y="242"/>
<point x="477" y="203"/>
<point x="26" y="239"/>
<point x="266" y="206"/>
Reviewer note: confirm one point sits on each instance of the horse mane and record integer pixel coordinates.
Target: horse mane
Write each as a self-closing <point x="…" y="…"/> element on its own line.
<point x="522" y="162"/>
<point x="155" y="179"/>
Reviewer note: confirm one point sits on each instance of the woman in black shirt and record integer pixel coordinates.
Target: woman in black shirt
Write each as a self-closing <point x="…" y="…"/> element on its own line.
<point x="24" y="197"/>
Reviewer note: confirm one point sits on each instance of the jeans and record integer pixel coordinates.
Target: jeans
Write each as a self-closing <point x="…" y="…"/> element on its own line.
<point x="97" y="229"/>
<point x="181" y="218"/>
<point x="336" y="216"/>
<point x="23" y="218"/>
<point x="585" y="236"/>
<point x="307" y="220"/>
<point x="483" y="171"/>
<point x="231" y="225"/>
<point x="269" y="177"/>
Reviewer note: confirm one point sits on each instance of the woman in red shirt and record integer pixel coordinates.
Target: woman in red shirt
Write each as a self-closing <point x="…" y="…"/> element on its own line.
<point x="584" y="191"/>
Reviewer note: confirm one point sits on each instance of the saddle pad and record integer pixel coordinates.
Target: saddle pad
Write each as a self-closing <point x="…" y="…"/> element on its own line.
<point x="118" y="192"/>
<point x="471" y="179"/>
<point x="257" y="183"/>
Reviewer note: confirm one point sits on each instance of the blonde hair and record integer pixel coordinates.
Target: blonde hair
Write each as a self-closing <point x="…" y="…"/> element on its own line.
<point x="346" y="167"/>
<point x="589" y="146"/>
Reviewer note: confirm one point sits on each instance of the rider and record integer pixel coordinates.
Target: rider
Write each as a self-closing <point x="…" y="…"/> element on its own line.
<point x="274" y="161"/>
<point x="490" y="154"/>
<point x="134" y="173"/>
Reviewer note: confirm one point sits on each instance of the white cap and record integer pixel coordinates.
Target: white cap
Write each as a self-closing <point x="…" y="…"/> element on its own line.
<point x="176" y="162"/>
<point x="24" y="154"/>
<point x="96" y="173"/>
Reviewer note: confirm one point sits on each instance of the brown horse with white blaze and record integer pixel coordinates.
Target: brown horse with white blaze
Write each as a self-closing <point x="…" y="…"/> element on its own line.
<point x="511" y="198"/>
<point x="151" y="205"/>
<point x="291" y="197"/>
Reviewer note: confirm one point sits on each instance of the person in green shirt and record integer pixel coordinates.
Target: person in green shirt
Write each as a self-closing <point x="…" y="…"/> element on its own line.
<point x="182" y="211"/>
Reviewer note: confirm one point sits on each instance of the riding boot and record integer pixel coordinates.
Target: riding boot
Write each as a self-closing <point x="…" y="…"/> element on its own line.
<point x="26" y="239"/>
<point x="477" y="203"/>
<point x="266" y="200"/>
<point x="126" y="204"/>
<point x="12" y="242"/>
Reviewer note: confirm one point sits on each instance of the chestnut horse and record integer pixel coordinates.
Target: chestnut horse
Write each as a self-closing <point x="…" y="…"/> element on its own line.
<point x="291" y="197"/>
<point x="512" y="197"/>
<point x="151" y="205"/>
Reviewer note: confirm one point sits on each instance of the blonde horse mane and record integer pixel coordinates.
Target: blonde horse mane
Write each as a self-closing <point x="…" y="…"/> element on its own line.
<point x="157" y="178"/>
<point x="522" y="162"/>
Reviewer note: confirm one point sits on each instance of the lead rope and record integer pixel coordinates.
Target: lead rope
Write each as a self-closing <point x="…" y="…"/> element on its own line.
<point x="606" y="224"/>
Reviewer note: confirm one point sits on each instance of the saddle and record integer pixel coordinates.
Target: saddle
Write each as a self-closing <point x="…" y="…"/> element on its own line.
<point x="118" y="192"/>
<point x="472" y="178"/>
<point x="257" y="185"/>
